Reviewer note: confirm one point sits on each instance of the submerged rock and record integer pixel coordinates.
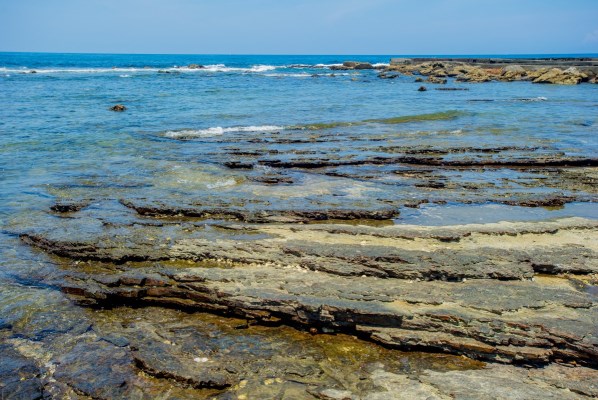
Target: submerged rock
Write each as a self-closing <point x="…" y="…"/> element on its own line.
<point x="118" y="108"/>
<point x="20" y="377"/>
<point x="69" y="206"/>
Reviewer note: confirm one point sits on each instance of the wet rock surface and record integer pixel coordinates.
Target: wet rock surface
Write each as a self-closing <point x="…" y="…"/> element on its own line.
<point x="472" y="290"/>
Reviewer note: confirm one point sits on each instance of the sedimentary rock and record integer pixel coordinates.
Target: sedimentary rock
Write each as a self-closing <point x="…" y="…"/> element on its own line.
<point x="571" y="76"/>
<point x="296" y="275"/>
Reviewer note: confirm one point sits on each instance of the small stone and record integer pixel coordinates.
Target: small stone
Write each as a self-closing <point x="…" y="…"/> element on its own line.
<point x="422" y="89"/>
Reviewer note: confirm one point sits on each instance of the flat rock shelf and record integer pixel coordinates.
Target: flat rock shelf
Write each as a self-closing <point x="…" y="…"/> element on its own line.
<point x="514" y="298"/>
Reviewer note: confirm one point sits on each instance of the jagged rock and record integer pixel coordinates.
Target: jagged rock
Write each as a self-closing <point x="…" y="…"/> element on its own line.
<point x="571" y="76"/>
<point x="195" y="66"/>
<point x="483" y="320"/>
<point x="475" y="75"/>
<point x="352" y="65"/>
<point x="432" y="68"/>
<point x="434" y="79"/>
<point x="364" y="65"/>
<point x="513" y="72"/>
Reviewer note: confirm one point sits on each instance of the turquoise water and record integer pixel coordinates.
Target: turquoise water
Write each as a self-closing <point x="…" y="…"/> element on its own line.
<point x="56" y="130"/>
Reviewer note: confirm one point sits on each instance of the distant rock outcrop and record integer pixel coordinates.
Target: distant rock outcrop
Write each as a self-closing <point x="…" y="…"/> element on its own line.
<point x="564" y="71"/>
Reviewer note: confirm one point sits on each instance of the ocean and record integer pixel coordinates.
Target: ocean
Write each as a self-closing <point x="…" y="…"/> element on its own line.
<point x="252" y="133"/>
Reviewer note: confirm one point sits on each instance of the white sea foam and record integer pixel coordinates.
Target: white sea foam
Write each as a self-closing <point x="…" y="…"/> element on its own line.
<point x="120" y="71"/>
<point x="281" y="75"/>
<point x="380" y="65"/>
<point x="218" y="131"/>
<point x="76" y="70"/>
<point x="533" y="99"/>
<point x="224" y="68"/>
<point x="328" y="65"/>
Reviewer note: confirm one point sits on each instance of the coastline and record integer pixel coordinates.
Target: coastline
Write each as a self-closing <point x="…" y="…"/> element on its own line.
<point x="238" y="232"/>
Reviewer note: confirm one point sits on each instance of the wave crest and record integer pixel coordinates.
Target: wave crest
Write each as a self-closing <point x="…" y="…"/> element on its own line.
<point x="219" y="131"/>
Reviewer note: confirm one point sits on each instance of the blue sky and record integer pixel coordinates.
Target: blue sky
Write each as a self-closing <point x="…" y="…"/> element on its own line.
<point x="300" y="26"/>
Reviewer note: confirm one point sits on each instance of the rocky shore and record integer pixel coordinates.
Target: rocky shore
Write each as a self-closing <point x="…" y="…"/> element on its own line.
<point x="518" y="296"/>
<point x="567" y="71"/>
<point x="426" y="256"/>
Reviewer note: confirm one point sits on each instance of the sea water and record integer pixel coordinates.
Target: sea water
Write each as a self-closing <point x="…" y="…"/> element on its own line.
<point x="59" y="140"/>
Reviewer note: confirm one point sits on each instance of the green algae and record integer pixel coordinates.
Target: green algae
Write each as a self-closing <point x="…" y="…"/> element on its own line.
<point x="438" y="116"/>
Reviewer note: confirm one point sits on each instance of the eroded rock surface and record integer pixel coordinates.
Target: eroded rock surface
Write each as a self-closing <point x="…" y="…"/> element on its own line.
<point x="471" y="290"/>
<point x="555" y="71"/>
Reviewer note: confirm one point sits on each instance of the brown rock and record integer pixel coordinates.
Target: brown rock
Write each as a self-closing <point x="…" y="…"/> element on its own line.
<point x="118" y="108"/>
<point x="571" y="76"/>
<point x="434" y="79"/>
<point x="513" y="73"/>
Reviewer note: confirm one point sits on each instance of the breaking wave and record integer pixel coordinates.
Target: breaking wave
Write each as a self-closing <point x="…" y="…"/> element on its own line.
<point x="218" y="131"/>
<point x="123" y="70"/>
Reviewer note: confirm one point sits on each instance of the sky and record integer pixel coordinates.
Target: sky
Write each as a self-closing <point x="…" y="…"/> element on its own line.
<point x="389" y="27"/>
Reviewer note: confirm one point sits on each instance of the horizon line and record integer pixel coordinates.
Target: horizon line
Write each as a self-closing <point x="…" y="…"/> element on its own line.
<point x="300" y="54"/>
